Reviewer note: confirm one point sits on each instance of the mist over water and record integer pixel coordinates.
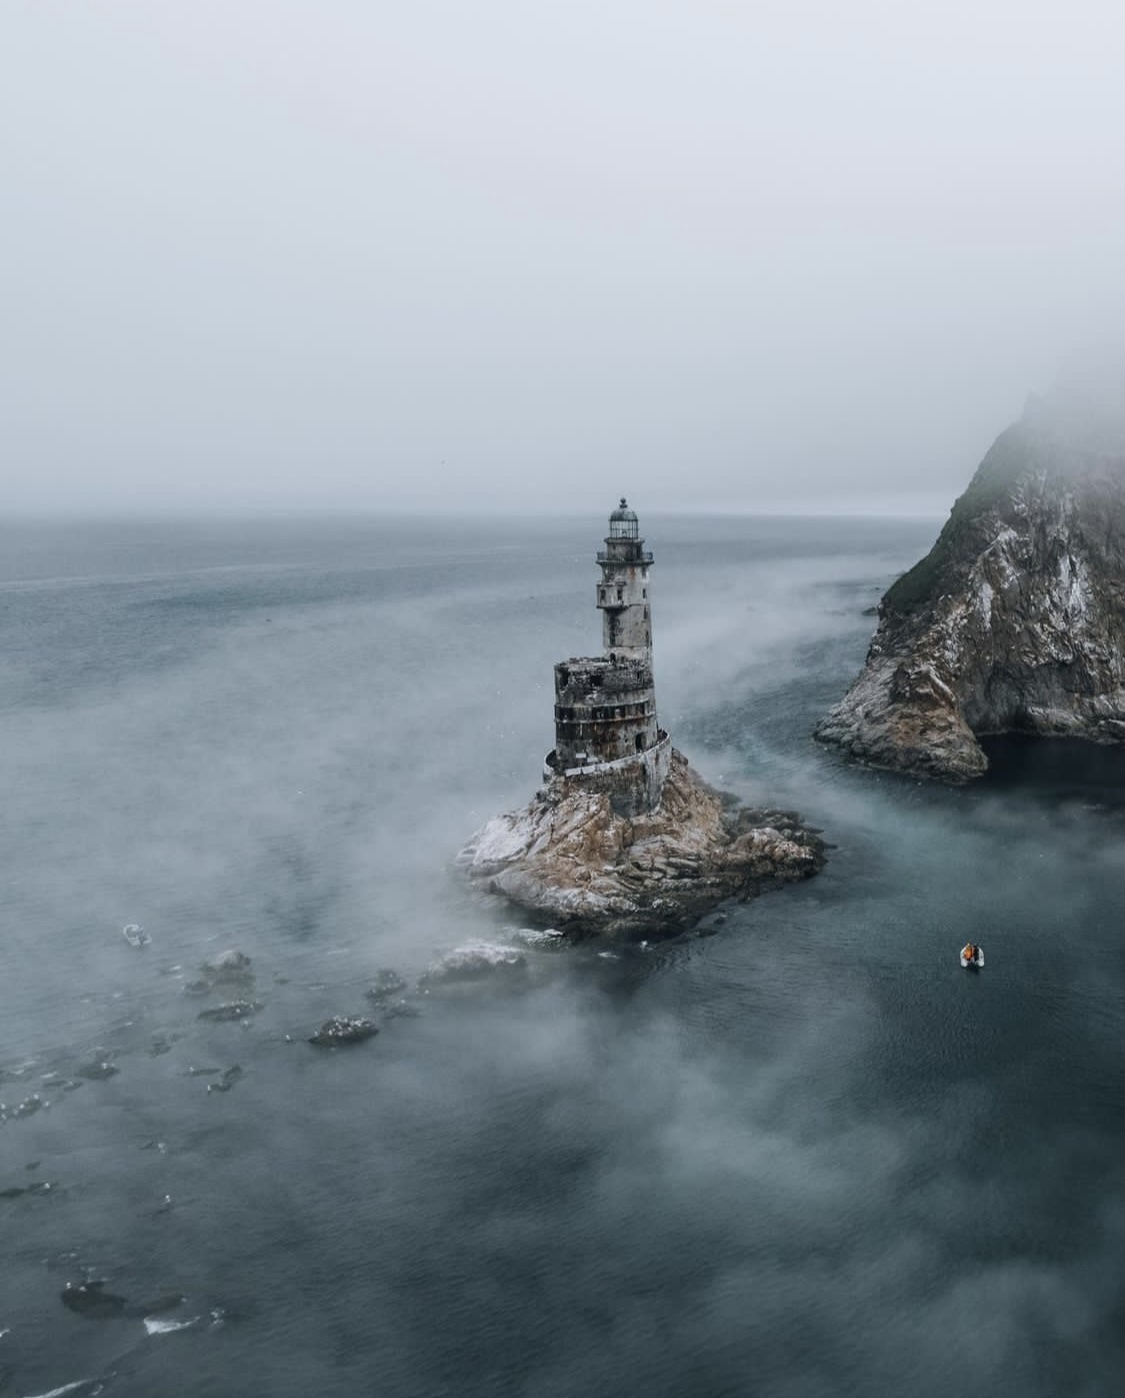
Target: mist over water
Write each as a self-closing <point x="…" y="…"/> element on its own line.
<point x="807" y="1155"/>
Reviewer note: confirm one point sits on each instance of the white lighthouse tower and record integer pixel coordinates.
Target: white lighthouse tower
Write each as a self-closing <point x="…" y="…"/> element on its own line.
<point x="606" y="731"/>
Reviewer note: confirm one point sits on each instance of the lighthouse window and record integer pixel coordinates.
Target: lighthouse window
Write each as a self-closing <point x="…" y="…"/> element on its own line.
<point x="644" y="591"/>
<point x="619" y="594"/>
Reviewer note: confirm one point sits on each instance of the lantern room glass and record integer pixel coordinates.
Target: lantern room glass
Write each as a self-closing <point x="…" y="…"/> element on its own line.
<point x="623" y="522"/>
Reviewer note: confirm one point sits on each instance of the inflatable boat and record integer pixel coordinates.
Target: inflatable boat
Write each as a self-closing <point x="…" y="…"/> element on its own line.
<point x="135" y="935"/>
<point x="972" y="956"/>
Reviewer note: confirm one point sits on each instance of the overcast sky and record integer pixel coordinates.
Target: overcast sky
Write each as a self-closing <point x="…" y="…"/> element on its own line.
<point x="260" y="254"/>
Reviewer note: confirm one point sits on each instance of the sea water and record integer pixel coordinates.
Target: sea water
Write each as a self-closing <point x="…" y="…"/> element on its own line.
<point x="805" y="1155"/>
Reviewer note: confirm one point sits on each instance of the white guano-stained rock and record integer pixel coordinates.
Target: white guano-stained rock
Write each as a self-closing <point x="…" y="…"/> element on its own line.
<point x="571" y="858"/>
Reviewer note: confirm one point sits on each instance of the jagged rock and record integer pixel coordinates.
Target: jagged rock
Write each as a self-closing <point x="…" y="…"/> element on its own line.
<point x="230" y="968"/>
<point x="386" y="984"/>
<point x="572" y="858"/>
<point x="1015" y="620"/>
<point x="343" y="1030"/>
<point x="539" y="938"/>
<point x="235" y="1009"/>
<point x="473" y="962"/>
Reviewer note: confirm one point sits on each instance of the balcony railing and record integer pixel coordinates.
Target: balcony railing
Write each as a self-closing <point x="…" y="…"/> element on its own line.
<point x="602" y="556"/>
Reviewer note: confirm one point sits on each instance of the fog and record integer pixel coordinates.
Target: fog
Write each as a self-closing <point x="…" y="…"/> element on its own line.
<point x="271" y="257"/>
<point x="667" y="1167"/>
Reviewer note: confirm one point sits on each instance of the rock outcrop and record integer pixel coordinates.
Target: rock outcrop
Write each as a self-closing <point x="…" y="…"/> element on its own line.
<point x="343" y="1029"/>
<point x="571" y="858"/>
<point x="1015" y="619"/>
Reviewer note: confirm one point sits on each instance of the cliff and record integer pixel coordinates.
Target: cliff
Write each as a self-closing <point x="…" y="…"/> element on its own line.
<point x="1015" y="619"/>
<point x="572" y="858"/>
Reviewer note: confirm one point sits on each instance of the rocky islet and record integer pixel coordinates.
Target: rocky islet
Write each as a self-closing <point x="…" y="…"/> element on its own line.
<point x="625" y="838"/>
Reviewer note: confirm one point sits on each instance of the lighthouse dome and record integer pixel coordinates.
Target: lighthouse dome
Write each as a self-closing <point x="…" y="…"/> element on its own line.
<point x="623" y="522"/>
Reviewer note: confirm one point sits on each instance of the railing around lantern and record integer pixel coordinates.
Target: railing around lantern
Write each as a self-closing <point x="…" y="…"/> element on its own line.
<point x="644" y="556"/>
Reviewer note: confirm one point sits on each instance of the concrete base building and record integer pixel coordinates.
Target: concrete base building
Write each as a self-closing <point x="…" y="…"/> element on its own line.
<point x="606" y="732"/>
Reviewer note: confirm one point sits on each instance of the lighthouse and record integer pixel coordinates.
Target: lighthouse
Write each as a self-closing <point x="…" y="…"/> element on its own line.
<point x="623" y="590"/>
<point x="606" y="731"/>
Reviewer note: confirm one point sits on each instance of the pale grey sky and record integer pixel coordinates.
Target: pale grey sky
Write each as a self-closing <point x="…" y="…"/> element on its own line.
<point x="261" y="254"/>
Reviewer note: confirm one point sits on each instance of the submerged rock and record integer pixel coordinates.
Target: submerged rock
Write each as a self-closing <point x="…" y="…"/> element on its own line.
<point x="386" y="984"/>
<point x="234" y="1009"/>
<point x="587" y="868"/>
<point x="170" y="1301"/>
<point x="401" y="1009"/>
<point x="1014" y="622"/>
<point x="28" y="1107"/>
<point x="90" y="1299"/>
<point x="343" y="1030"/>
<point x="227" y="1080"/>
<point x="98" y="1068"/>
<point x="17" y="1190"/>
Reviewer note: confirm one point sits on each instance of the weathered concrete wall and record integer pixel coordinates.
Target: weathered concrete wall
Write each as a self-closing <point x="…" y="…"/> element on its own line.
<point x="633" y="784"/>
<point x="622" y="599"/>
<point x="604" y="710"/>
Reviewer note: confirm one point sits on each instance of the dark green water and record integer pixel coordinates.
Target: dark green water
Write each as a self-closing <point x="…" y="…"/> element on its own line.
<point x="805" y="1156"/>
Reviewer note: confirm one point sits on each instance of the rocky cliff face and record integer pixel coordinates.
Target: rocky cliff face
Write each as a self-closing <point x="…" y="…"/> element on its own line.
<point x="570" y="858"/>
<point x="1015" y="620"/>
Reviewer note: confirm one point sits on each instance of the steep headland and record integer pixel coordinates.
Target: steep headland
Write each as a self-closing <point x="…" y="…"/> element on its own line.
<point x="574" y="859"/>
<point x="1014" y="622"/>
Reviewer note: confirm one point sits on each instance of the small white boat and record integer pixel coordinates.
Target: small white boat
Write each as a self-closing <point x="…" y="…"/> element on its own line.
<point x="135" y="934"/>
<point x="972" y="956"/>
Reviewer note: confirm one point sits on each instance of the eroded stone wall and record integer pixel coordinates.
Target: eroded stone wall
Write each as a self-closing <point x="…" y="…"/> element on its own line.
<point x="604" y="710"/>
